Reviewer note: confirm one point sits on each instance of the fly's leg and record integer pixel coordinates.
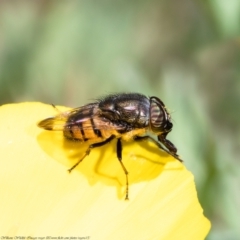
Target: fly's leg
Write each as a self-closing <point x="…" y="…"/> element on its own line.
<point x="54" y="106"/>
<point x="60" y="113"/>
<point x="86" y="153"/>
<point x="89" y="150"/>
<point x="142" y="138"/>
<point x="119" y="156"/>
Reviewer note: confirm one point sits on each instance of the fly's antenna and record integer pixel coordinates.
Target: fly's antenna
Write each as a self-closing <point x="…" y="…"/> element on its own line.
<point x="171" y="112"/>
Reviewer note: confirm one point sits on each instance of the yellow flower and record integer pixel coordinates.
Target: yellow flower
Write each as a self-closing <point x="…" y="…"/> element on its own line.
<point x="40" y="199"/>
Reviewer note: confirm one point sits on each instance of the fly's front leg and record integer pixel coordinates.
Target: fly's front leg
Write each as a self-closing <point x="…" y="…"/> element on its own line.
<point x="119" y="156"/>
<point x="142" y="138"/>
<point x="89" y="150"/>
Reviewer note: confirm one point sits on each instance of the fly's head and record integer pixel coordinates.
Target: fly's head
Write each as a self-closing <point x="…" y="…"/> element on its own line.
<point x="160" y="124"/>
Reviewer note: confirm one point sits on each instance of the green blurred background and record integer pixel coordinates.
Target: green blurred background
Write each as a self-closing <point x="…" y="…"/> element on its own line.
<point x="185" y="52"/>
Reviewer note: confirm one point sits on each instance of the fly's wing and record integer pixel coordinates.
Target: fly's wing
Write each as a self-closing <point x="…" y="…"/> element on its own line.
<point x="85" y="114"/>
<point x="58" y="122"/>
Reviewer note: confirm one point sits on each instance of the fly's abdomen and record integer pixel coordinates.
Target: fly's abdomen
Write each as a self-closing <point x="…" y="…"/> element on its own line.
<point x="82" y="131"/>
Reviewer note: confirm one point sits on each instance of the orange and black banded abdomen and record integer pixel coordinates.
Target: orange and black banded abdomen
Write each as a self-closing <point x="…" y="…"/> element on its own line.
<point x="83" y="131"/>
<point x="85" y="126"/>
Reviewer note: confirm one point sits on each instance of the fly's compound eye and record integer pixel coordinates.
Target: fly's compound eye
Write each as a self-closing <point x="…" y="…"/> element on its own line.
<point x="159" y="117"/>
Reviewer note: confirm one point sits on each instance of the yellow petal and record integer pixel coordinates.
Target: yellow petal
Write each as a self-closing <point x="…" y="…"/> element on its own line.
<point x="39" y="198"/>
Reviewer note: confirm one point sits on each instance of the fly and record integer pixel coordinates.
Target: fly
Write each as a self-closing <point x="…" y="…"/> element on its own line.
<point x="127" y="116"/>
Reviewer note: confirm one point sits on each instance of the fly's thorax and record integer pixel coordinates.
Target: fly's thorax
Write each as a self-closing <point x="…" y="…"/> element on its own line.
<point x="132" y="109"/>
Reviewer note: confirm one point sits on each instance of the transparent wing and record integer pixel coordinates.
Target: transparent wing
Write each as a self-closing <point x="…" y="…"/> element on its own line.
<point x="83" y="117"/>
<point x="53" y="123"/>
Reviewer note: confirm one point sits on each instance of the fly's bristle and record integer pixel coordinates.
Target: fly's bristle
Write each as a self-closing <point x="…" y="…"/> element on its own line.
<point x="47" y="124"/>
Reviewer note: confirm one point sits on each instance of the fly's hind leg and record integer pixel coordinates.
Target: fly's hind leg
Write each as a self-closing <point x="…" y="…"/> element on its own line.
<point x="63" y="114"/>
<point x="54" y="106"/>
<point x="119" y="156"/>
<point x="89" y="150"/>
